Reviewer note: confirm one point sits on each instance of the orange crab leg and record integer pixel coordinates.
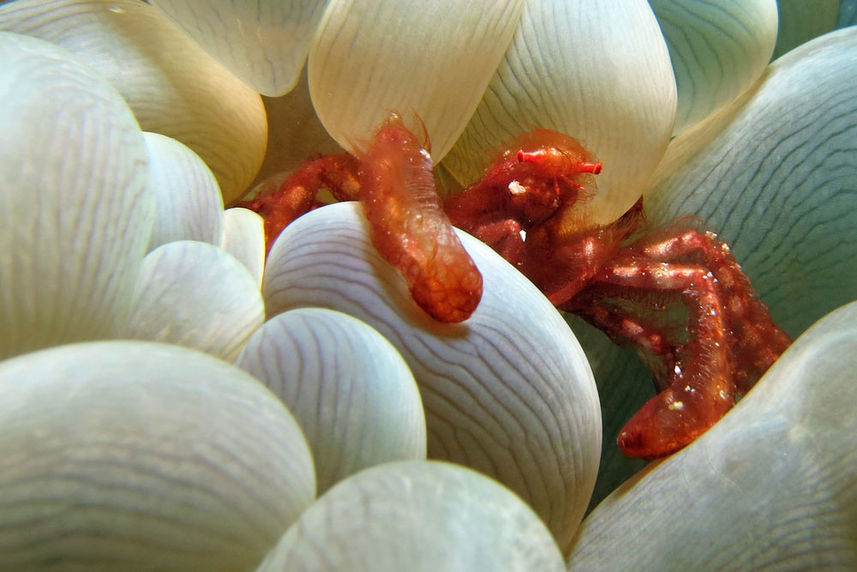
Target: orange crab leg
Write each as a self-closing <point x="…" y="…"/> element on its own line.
<point x="702" y="388"/>
<point x="296" y="195"/>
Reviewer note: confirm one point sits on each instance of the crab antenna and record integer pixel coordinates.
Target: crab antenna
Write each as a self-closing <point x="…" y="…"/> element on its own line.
<point x="593" y="168"/>
<point x="531" y="156"/>
<point x="539" y="155"/>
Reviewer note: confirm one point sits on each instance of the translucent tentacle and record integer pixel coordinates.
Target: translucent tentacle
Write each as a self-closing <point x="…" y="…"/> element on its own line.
<point x="409" y="228"/>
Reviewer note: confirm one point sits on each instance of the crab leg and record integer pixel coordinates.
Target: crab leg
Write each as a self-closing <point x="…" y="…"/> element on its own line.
<point x="761" y="341"/>
<point x="624" y="329"/>
<point x="702" y="389"/>
<point x="297" y="194"/>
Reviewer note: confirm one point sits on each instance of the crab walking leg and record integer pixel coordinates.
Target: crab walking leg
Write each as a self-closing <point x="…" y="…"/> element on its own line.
<point x="702" y="388"/>
<point x="505" y="237"/>
<point x="409" y="228"/>
<point x="626" y="329"/>
<point x="761" y="341"/>
<point x="562" y="262"/>
<point x="297" y="194"/>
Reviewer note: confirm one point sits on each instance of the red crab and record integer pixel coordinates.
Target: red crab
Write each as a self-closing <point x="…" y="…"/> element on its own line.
<point x="677" y="295"/>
